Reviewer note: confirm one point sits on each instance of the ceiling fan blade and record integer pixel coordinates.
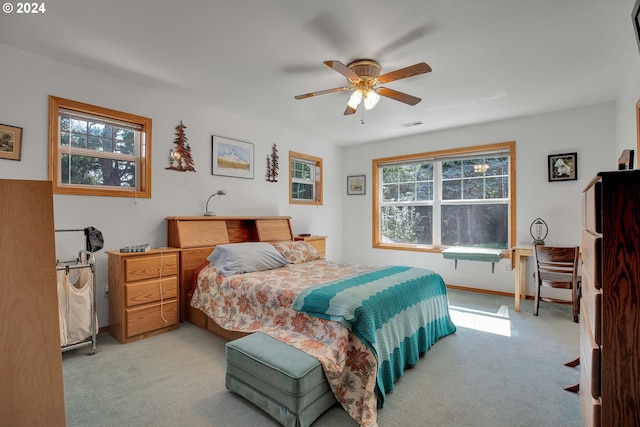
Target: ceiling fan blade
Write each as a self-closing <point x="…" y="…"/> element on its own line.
<point x="349" y="111"/>
<point x="342" y="69"/>
<point x="321" y="92"/>
<point x="398" y="96"/>
<point x="403" y="73"/>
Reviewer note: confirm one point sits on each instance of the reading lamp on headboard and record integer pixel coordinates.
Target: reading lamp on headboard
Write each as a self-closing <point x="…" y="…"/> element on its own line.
<point x="217" y="193"/>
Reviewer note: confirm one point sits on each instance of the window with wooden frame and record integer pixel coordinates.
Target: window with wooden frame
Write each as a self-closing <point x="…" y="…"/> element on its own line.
<point x="429" y="201"/>
<point x="95" y="151"/>
<point x="305" y="179"/>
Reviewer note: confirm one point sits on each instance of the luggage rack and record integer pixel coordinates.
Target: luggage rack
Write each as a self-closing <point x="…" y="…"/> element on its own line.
<point x="93" y="243"/>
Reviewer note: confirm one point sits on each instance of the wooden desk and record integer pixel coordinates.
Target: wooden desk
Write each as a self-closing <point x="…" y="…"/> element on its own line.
<point x="519" y="256"/>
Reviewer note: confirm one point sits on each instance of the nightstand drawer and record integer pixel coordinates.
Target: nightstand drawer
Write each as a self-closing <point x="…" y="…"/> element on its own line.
<point x="150" y="317"/>
<point x="148" y="291"/>
<point x="150" y="266"/>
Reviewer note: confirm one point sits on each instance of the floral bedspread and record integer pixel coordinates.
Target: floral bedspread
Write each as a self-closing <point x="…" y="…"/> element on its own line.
<point x="263" y="301"/>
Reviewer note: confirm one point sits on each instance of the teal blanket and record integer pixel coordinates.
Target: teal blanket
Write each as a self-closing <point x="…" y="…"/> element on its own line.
<point x="397" y="312"/>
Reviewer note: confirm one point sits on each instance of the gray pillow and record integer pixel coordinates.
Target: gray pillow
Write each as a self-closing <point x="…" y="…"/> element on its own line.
<point x="246" y="257"/>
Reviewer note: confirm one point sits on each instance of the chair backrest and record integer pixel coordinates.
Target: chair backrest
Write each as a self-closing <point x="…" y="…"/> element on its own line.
<point x="557" y="260"/>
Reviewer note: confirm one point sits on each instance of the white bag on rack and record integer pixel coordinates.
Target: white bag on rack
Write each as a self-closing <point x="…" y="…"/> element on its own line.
<point x="75" y="297"/>
<point x="62" y="305"/>
<point x="79" y="297"/>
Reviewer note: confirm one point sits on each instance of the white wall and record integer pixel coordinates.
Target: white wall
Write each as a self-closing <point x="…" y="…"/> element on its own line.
<point x="27" y="81"/>
<point x="598" y="133"/>
<point x="589" y="131"/>
<point x="627" y="137"/>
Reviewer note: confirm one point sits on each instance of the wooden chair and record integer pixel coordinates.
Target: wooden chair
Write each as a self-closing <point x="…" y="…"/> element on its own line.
<point x="557" y="267"/>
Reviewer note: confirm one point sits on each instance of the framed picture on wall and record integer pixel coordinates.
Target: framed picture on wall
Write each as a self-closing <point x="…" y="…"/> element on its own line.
<point x="356" y="184"/>
<point x="563" y="167"/>
<point x="230" y="157"/>
<point x="10" y="142"/>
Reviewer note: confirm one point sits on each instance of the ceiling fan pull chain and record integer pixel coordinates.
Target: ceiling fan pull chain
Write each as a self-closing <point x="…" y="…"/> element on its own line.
<point x="362" y="118"/>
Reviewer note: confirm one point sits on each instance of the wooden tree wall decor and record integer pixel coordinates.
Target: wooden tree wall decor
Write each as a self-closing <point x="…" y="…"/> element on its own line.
<point x="180" y="156"/>
<point x="272" y="165"/>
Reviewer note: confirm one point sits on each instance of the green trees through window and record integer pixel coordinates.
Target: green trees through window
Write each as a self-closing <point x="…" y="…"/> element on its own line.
<point x="97" y="151"/>
<point x="457" y="197"/>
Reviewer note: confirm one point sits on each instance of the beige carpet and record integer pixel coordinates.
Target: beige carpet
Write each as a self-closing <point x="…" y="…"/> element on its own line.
<point x="501" y="368"/>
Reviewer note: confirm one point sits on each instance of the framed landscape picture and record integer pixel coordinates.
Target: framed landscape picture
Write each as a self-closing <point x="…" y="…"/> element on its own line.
<point x="230" y="157"/>
<point x="10" y="142"/>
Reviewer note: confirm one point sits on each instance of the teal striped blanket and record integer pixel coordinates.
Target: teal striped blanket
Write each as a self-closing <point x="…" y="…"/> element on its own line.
<point x="398" y="313"/>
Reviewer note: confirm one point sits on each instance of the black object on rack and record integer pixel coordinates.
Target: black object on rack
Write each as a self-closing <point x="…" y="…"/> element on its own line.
<point x="93" y="238"/>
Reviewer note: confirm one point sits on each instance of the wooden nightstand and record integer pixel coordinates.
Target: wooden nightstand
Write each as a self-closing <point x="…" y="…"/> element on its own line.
<point x="143" y="293"/>
<point x="318" y="242"/>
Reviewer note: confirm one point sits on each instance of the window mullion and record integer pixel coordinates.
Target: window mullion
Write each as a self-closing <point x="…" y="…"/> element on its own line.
<point x="437" y="203"/>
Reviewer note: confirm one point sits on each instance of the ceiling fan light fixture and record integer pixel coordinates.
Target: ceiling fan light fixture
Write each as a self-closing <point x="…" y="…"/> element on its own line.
<point x="371" y="99"/>
<point x="355" y="99"/>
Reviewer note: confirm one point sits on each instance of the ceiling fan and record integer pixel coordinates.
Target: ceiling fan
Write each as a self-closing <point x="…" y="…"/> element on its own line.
<point x="364" y="79"/>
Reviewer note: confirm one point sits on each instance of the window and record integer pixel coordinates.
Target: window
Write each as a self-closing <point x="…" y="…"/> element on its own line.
<point x="447" y="198"/>
<point x="305" y="179"/>
<point x="95" y="151"/>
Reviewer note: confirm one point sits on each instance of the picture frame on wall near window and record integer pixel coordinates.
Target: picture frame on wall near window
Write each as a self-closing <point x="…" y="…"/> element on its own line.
<point x="563" y="167"/>
<point x="10" y="142"/>
<point x="230" y="157"/>
<point x="356" y="185"/>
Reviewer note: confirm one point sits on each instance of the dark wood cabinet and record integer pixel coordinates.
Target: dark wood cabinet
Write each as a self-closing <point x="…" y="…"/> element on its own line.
<point x="610" y="303"/>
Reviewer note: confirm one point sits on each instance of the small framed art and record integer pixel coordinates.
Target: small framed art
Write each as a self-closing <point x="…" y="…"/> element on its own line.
<point x="563" y="167"/>
<point x="356" y="184"/>
<point x="10" y="142"/>
<point x="230" y="157"/>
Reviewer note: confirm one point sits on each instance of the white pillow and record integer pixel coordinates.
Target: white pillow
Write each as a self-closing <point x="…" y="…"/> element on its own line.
<point x="246" y="257"/>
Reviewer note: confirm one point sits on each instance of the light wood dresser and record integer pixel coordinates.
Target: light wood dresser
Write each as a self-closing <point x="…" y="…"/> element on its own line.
<point x="143" y="293"/>
<point x="610" y="304"/>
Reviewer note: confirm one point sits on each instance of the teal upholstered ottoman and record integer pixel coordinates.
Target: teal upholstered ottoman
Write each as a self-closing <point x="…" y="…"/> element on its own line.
<point x="283" y="381"/>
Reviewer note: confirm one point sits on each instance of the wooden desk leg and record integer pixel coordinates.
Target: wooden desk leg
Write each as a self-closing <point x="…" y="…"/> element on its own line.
<point x="517" y="280"/>
<point x="523" y="277"/>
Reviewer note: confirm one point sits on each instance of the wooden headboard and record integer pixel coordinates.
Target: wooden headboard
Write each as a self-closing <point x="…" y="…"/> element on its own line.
<point x="197" y="236"/>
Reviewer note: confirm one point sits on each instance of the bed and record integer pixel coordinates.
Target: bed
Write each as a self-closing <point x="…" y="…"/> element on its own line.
<point x="365" y="324"/>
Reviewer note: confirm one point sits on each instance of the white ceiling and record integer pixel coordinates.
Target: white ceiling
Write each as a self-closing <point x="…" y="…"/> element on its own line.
<point x="491" y="59"/>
